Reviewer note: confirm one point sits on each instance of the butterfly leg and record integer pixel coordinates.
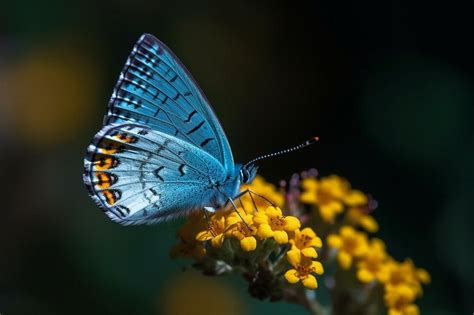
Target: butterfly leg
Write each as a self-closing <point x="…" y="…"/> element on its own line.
<point x="238" y="213"/>
<point x="247" y="191"/>
<point x="253" y="202"/>
<point x="250" y="192"/>
<point x="242" y="204"/>
<point x="263" y="197"/>
<point x="206" y="209"/>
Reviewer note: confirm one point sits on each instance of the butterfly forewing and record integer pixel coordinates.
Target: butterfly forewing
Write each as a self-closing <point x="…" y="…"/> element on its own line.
<point x="156" y="90"/>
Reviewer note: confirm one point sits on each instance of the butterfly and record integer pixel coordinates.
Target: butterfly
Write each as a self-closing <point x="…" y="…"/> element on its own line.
<point x="161" y="152"/>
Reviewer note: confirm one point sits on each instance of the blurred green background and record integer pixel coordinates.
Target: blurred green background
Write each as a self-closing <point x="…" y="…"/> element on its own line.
<point x="388" y="86"/>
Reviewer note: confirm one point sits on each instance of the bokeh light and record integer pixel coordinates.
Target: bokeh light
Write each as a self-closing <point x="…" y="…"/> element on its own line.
<point x="51" y="91"/>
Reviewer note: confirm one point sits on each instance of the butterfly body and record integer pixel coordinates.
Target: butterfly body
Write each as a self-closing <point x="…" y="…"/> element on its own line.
<point x="161" y="152"/>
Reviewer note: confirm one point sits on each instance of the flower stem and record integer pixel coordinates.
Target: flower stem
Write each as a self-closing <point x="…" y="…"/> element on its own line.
<point x="313" y="306"/>
<point x="310" y="303"/>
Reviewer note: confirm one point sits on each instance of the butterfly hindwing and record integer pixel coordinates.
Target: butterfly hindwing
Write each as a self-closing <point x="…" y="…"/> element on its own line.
<point x="139" y="175"/>
<point x="156" y="90"/>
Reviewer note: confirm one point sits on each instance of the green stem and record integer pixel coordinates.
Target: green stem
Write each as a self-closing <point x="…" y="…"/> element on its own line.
<point x="299" y="296"/>
<point x="313" y="306"/>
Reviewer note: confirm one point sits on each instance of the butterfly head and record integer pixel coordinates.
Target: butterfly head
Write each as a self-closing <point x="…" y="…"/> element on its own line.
<point x="248" y="173"/>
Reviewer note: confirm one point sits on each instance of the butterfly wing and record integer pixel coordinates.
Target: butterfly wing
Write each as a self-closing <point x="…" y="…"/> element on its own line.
<point x="142" y="176"/>
<point x="156" y="90"/>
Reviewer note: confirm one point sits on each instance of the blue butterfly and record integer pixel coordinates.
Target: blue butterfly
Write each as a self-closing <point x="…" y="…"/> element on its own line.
<point x="161" y="152"/>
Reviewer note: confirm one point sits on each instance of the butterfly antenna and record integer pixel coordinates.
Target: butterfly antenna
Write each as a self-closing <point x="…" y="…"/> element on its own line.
<point x="297" y="147"/>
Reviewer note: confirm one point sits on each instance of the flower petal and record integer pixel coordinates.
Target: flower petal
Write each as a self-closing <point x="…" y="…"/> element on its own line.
<point x="329" y="210"/>
<point x="235" y="233"/>
<point x="345" y="260"/>
<point x="249" y="206"/>
<point x="291" y="276"/>
<point x="294" y="257"/>
<point x="423" y="275"/>
<point x="308" y="197"/>
<point x="260" y="218"/>
<point x="280" y="237"/>
<point x="309" y="252"/>
<point x="336" y="206"/>
<point x="232" y="219"/>
<point x="310" y="282"/>
<point x="220" y="220"/>
<point x="264" y="231"/>
<point x="369" y="223"/>
<point x="291" y="223"/>
<point x="316" y="242"/>
<point x="355" y="198"/>
<point x="308" y="231"/>
<point x="203" y="236"/>
<point x="273" y="212"/>
<point x="365" y="276"/>
<point x="310" y="184"/>
<point x="383" y="274"/>
<point x="347" y="231"/>
<point x="412" y="309"/>
<point x="317" y="267"/>
<point x="217" y="241"/>
<point x="248" y="243"/>
<point x="334" y="241"/>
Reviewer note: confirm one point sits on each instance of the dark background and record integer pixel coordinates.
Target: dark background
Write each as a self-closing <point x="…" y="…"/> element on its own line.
<point x="387" y="85"/>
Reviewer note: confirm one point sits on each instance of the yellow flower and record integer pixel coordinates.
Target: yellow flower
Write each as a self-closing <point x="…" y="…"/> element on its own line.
<point x="357" y="217"/>
<point x="327" y="194"/>
<point x="306" y="240"/>
<point x="303" y="267"/>
<point x="244" y="232"/>
<point x="261" y="187"/>
<point x="372" y="266"/>
<point x="215" y="231"/>
<point x="399" y="301"/>
<point x="350" y="243"/>
<point x="310" y="188"/>
<point x="272" y="223"/>
<point x="405" y="274"/>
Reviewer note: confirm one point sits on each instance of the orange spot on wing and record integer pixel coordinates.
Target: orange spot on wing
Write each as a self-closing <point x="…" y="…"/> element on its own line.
<point x="105" y="163"/>
<point x="105" y="180"/>
<point x="126" y="138"/>
<point x="109" y="197"/>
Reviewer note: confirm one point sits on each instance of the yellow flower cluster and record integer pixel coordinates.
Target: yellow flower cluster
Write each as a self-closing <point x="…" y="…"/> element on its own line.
<point x="268" y="224"/>
<point x="403" y="286"/>
<point x="401" y="281"/>
<point x="262" y="229"/>
<point x="247" y="227"/>
<point x="301" y="257"/>
<point x="332" y="195"/>
<point x="226" y="223"/>
<point x="351" y="245"/>
<point x="253" y="222"/>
